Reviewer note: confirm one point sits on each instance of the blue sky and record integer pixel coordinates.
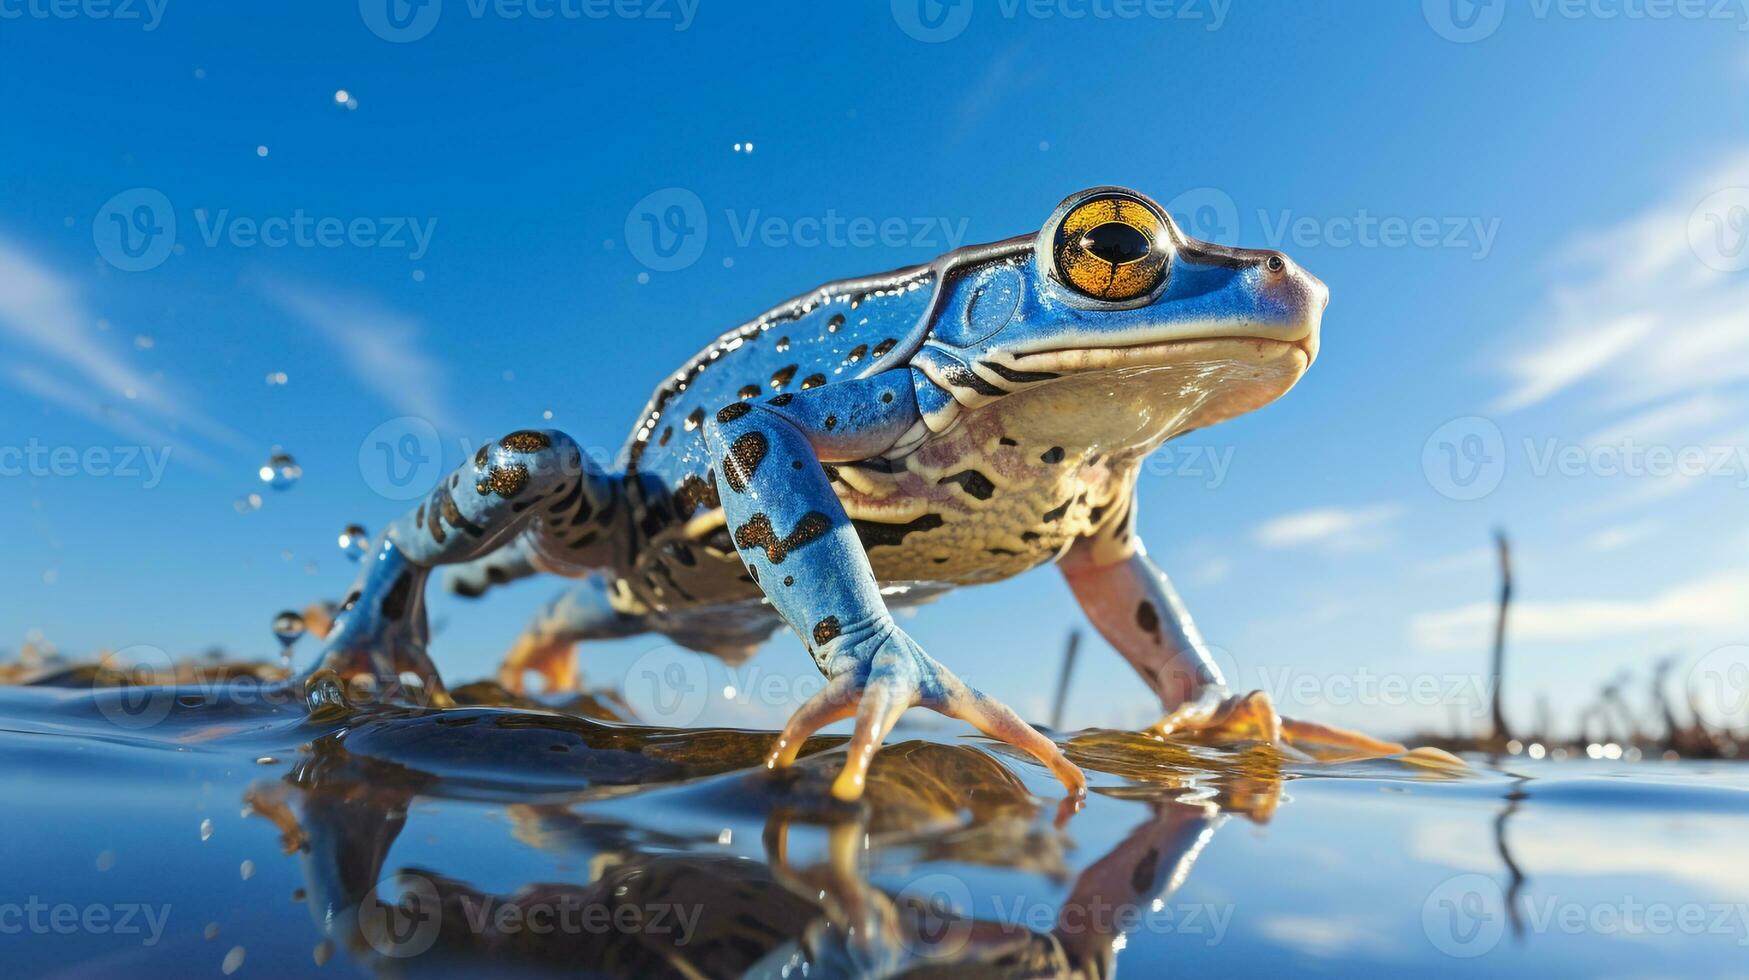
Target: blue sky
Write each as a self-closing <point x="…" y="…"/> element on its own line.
<point x="1533" y="232"/>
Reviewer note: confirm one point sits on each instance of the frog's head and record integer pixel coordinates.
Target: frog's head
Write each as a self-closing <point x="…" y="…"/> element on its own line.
<point x="1112" y="294"/>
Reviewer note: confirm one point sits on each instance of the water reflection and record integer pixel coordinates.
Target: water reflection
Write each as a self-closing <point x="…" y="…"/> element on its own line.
<point x="504" y="835"/>
<point x="659" y="903"/>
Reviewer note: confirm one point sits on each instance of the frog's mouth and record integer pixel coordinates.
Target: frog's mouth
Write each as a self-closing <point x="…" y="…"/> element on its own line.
<point x="1297" y="353"/>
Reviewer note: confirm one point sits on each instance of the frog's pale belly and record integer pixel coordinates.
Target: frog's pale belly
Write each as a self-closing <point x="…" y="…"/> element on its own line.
<point x="979" y="504"/>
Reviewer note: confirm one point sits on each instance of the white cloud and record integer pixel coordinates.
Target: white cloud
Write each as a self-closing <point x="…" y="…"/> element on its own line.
<point x="381" y="348"/>
<point x="1634" y="315"/>
<point x="1661" y="845"/>
<point x="1716" y="601"/>
<point x="1325" y="936"/>
<point x="1337" y="528"/>
<point x="41" y="313"/>
<point x="1620" y="536"/>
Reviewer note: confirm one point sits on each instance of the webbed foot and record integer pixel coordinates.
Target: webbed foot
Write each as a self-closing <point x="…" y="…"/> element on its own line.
<point x="1253" y="718"/>
<point x="878" y="688"/>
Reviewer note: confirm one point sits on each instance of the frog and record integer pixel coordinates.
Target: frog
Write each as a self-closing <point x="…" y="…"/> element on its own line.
<point x="874" y="443"/>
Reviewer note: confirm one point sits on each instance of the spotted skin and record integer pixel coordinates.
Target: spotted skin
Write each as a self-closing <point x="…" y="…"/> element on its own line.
<point x="941" y="425"/>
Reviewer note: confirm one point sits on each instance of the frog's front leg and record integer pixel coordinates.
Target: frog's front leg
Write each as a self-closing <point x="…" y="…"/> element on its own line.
<point x="1134" y="606"/>
<point x="538" y="482"/>
<point x="799" y="545"/>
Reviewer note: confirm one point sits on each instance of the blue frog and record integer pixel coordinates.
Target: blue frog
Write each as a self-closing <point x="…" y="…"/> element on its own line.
<point x="873" y="443"/>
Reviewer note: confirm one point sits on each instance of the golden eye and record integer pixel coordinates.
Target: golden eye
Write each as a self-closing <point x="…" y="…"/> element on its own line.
<point x="1112" y="248"/>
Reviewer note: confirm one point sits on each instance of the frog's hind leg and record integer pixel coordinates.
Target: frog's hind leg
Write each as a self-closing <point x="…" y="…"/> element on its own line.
<point x="1134" y="606"/>
<point x="548" y="647"/>
<point x="538" y="481"/>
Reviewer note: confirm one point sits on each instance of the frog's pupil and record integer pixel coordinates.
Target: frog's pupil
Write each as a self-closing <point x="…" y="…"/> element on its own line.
<point x="1115" y="242"/>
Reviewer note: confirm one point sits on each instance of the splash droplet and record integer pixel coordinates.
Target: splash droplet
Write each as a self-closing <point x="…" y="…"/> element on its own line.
<point x="354" y="541"/>
<point x="247" y="503"/>
<point x="233" y="961"/>
<point x="281" y="471"/>
<point x="206" y="829"/>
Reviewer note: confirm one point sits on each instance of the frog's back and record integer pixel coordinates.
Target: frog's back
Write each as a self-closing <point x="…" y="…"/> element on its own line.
<point x="839" y="332"/>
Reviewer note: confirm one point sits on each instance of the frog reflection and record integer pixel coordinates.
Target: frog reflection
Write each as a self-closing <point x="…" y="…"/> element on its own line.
<point x="928" y="805"/>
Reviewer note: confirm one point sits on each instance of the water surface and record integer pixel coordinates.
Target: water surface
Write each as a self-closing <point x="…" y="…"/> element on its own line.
<point x="216" y="828"/>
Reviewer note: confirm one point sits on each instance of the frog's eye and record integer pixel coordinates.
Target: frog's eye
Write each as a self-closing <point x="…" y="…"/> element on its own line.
<point x="1112" y="247"/>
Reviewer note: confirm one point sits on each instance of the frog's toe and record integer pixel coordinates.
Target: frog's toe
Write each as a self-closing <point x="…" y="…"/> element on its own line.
<point x="884" y="697"/>
<point x="834" y="702"/>
<point x="1252" y="718"/>
<point x="999" y="722"/>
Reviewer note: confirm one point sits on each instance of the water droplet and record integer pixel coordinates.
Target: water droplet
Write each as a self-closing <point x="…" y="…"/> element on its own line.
<point x="266" y="760"/>
<point x="211" y="932"/>
<point x="105" y="860"/>
<point x="246" y="869"/>
<point x="261" y="151"/>
<point x="289" y="627"/>
<point x="143" y="342"/>
<point x="206" y="829"/>
<point x="354" y="541"/>
<point x="276" y="378"/>
<point x="341" y="95"/>
<point x="323" y="951"/>
<point x="233" y="961"/>
<point x="281" y="471"/>
<point x="250" y="502"/>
